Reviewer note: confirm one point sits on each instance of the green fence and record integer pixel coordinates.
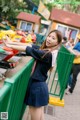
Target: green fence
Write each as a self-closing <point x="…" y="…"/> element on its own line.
<point x="13" y="92"/>
<point x="60" y="76"/>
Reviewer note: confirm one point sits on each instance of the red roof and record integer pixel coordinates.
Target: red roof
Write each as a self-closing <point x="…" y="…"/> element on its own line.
<point x="65" y="17"/>
<point x="29" y="17"/>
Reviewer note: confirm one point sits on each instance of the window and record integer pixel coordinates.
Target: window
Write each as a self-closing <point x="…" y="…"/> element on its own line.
<point x="72" y="33"/>
<point x="29" y="27"/>
<point x="23" y="26"/>
<point x="26" y="26"/>
<point x="62" y="29"/>
<point x="69" y="32"/>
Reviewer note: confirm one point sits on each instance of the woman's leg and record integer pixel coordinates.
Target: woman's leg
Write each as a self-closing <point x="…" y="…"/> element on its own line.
<point x="76" y="70"/>
<point x="35" y="112"/>
<point x="42" y="114"/>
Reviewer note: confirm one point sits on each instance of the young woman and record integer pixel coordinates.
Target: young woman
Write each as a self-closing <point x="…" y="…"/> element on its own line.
<point x="45" y="58"/>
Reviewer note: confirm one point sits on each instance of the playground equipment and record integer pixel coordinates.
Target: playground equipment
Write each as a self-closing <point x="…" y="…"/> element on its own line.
<point x="5" y="55"/>
<point x="10" y="33"/>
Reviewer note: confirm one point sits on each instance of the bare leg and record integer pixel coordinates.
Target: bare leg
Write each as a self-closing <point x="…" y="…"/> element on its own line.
<point x="42" y="114"/>
<point x="35" y="112"/>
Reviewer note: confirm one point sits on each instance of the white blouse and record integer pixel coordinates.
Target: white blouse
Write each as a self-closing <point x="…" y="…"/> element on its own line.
<point x="54" y="56"/>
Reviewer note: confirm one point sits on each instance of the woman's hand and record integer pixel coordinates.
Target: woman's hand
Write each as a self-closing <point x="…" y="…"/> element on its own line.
<point x="6" y="44"/>
<point x="77" y="53"/>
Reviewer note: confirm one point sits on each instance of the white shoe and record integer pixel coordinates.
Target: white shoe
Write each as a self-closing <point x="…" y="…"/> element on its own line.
<point x="67" y="90"/>
<point x="67" y="93"/>
<point x="68" y="87"/>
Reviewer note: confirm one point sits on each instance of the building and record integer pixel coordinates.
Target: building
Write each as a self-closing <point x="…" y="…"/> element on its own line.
<point x="28" y="22"/>
<point x="68" y="23"/>
<point x="45" y="24"/>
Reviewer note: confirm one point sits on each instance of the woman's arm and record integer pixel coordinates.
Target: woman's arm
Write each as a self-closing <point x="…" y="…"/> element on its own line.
<point x="9" y="41"/>
<point x="17" y="45"/>
<point x="71" y="50"/>
<point x="75" y="52"/>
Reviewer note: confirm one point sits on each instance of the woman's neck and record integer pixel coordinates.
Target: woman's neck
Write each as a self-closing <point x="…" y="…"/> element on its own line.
<point x="54" y="48"/>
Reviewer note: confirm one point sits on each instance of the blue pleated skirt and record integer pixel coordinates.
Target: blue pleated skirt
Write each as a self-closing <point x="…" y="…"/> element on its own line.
<point x="37" y="94"/>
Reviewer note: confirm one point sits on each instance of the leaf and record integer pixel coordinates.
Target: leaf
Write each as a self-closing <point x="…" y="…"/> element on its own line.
<point x="5" y="9"/>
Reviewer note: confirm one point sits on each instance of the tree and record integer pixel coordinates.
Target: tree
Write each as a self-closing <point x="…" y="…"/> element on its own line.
<point x="11" y="8"/>
<point x="71" y="5"/>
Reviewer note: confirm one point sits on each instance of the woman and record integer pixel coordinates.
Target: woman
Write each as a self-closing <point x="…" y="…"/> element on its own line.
<point x="45" y="58"/>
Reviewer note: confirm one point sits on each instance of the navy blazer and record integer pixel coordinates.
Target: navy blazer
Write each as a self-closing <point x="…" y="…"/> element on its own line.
<point x="42" y="65"/>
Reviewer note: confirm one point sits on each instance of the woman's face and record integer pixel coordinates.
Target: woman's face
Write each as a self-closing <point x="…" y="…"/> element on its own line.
<point x="51" y="40"/>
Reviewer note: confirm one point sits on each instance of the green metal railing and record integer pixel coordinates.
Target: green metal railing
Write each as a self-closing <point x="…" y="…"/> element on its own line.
<point x="58" y="81"/>
<point x="13" y="92"/>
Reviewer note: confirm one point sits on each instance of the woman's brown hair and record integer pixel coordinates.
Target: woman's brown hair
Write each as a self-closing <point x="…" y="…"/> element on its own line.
<point x="59" y="37"/>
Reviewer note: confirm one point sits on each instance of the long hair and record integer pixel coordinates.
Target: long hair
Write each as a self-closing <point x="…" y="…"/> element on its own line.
<point x="59" y="38"/>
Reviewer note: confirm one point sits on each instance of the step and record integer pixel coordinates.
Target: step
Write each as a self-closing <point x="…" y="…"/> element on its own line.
<point x="56" y="101"/>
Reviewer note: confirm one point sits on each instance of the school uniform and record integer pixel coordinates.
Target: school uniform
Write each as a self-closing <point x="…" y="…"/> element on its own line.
<point x="37" y="93"/>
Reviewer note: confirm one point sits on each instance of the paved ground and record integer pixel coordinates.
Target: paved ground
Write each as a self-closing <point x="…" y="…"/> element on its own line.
<point x="71" y="110"/>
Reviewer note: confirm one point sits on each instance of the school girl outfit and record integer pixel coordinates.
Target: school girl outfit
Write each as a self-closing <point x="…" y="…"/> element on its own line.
<point x="37" y="93"/>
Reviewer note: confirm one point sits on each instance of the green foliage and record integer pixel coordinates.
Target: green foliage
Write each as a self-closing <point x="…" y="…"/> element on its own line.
<point x="10" y="8"/>
<point x="72" y="5"/>
<point x="36" y="2"/>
